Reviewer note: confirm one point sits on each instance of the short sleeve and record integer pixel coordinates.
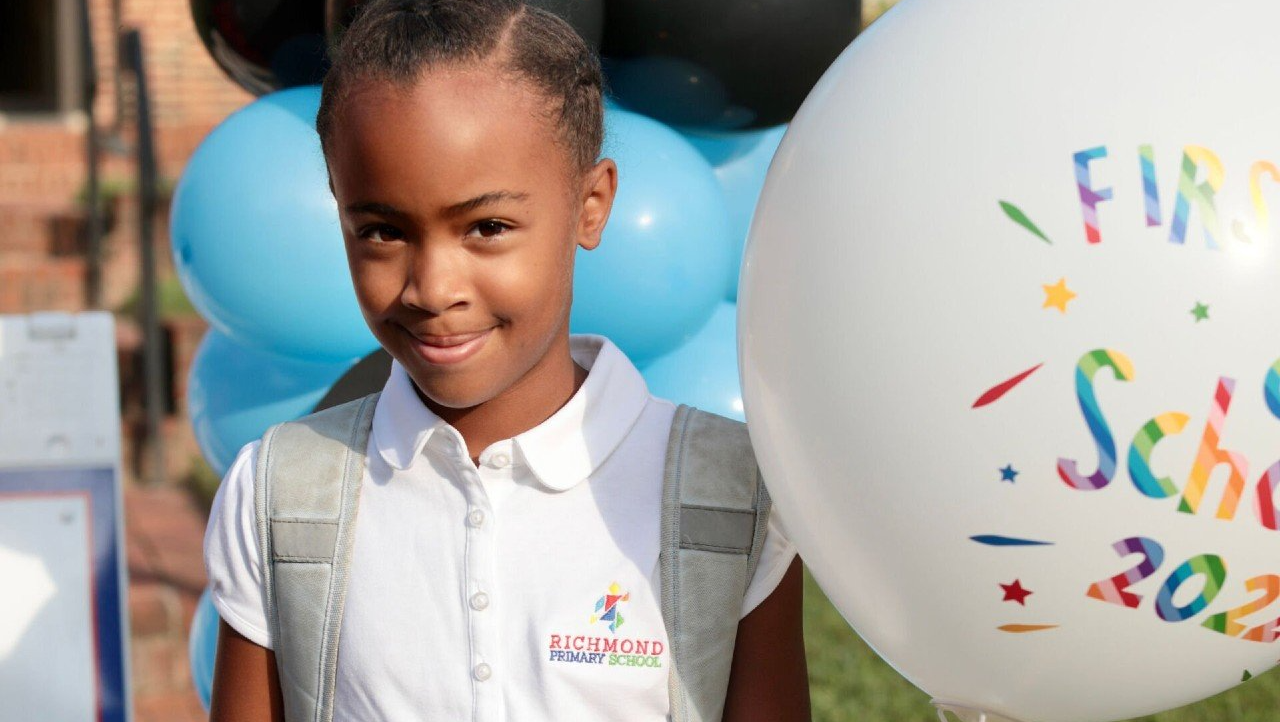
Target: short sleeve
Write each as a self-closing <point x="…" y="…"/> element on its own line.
<point x="231" y="557"/>
<point x="775" y="558"/>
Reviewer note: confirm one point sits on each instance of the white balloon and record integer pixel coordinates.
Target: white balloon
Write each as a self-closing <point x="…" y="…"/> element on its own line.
<point x="923" y="237"/>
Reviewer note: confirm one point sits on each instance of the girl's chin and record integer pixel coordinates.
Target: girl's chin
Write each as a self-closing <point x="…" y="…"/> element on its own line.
<point x="438" y="391"/>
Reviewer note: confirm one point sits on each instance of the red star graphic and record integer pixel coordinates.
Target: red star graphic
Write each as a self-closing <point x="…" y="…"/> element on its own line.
<point x="1015" y="592"/>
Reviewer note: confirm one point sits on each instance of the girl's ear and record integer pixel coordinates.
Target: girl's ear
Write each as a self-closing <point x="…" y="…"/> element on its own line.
<point x="599" y="185"/>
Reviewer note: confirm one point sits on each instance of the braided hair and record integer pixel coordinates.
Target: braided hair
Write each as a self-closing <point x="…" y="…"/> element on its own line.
<point x="397" y="40"/>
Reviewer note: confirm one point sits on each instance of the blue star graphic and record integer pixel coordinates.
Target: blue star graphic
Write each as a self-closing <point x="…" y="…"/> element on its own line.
<point x="1009" y="474"/>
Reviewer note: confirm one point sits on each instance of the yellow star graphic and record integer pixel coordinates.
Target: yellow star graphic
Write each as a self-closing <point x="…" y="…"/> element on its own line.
<point x="1057" y="295"/>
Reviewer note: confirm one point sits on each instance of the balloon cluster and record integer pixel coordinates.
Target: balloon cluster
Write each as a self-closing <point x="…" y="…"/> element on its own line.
<point x="702" y="92"/>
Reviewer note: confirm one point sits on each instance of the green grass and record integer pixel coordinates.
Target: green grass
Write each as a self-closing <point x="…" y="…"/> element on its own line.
<point x="848" y="682"/>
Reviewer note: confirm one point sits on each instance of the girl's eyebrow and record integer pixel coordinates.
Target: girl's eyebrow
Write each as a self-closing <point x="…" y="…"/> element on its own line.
<point x="481" y="200"/>
<point x="457" y="209"/>
<point x="381" y="209"/>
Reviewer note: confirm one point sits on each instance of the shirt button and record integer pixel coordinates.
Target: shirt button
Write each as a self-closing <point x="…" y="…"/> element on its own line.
<point x="500" y="460"/>
<point x="482" y="671"/>
<point x="476" y="517"/>
<point x="479" y="601"/>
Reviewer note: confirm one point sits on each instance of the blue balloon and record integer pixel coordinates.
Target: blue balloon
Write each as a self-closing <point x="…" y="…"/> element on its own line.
<point x="235" y="393"/>
<point x="202" y="647"/>
<point x="741" y="161"/>
<point x="664" y="261"/>
<point x="256" y="238"/>
<point x="704" y="371"/>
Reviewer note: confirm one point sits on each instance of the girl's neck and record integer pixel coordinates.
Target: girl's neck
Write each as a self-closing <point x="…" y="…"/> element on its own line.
<point x="533" y="399"/>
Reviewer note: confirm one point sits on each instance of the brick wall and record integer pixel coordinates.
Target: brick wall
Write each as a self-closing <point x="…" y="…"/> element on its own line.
<point x="42" y="160"/>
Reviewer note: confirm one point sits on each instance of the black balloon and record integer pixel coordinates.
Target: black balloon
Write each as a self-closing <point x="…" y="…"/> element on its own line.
<point x="368" y="375"/>
<point x="586" y="16"/>
<point x="722" y="64"/>
<point x="265" y="45"/>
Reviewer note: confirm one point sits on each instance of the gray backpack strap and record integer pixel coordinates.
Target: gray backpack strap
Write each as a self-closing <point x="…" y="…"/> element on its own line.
<point x="306" y="490"/>
<point x="715" y="512"/>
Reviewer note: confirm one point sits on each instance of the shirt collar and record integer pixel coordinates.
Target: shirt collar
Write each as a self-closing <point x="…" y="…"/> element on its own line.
<point x="561" y="451"/>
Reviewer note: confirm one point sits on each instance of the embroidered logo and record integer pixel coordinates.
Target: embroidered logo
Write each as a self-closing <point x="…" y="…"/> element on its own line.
<point x="609" y="650"/>
<point x="607" y="607"/>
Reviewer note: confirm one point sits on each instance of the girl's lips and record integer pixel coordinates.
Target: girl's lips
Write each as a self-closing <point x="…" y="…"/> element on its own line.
<point x="442" y="350"/>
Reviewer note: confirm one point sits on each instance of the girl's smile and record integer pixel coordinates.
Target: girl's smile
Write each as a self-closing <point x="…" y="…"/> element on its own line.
<point x="450" y="349"/>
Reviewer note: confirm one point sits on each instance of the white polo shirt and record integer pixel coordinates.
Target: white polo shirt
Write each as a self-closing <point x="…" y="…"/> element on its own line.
<point x="525" y="589"/>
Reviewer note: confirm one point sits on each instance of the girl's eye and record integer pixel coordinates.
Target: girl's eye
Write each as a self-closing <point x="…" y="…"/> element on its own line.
<point x="380" y="233"/>
<point x="490" y="228"/>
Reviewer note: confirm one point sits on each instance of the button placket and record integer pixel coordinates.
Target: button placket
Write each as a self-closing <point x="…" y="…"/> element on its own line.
<point x="479" y="570"/>
<point x="496" y="470"/>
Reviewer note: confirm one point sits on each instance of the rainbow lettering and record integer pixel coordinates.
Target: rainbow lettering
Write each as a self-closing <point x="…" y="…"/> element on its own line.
<point x="1144" y="441"/>
<point x="1228" y="622"/>
<point x="1116" y="589"/>
<point x="1193" y="158"/>
<point x="1150" y="192"/>
<point x="1215" y="573"/>
<point x="1086" y="369"/>
<point x="1211" y="456"/>
<point x="1090" y="197"/>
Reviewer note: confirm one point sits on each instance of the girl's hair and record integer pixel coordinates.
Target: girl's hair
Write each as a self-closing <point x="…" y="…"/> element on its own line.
<point x="396" y="40"/>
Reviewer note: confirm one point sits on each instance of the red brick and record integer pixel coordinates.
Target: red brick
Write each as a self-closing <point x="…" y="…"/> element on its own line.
<point x="170" y="707"/>
<point x="153" y="610"/>
<point x="156" y="664"/>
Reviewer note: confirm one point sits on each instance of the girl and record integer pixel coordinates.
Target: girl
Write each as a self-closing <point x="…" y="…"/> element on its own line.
<point x="508" y="512"/>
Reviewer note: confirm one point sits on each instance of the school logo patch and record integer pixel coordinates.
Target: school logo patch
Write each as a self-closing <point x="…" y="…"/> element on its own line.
<point x="607" y="607"/>
<point x="610" y="650"/>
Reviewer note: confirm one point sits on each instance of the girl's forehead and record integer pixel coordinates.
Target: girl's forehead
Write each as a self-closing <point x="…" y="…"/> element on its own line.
<point x="449" y="87"/>
<point x="450" y="128"/>
<point x="451" y="102"/>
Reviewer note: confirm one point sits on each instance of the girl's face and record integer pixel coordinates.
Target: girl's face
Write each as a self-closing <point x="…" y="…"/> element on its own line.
<point x="461" y="214"/>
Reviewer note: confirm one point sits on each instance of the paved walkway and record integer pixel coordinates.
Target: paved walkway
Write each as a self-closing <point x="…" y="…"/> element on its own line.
<point x="164" y="532"/>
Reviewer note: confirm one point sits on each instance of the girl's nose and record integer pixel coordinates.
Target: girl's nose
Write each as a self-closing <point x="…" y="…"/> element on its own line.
<point x="438" y="278"/>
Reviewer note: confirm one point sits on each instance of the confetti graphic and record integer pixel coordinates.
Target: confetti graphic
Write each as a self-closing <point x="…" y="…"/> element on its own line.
<point x="994" y="393"/>
<point x="1015" y="592"/>
<point x="1025" y="628"/>
<point x="993" y="540"/>
<point x="1017" y="216"/>
<point x="1057" y="295"/>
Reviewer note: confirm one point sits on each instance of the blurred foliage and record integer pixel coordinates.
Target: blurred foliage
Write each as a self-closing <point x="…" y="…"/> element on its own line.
<point x="848" y="682"/>
<point x="201" y="481"/>
<point x="873" y="9"/>
<point x="171" y="301"/>
<point x="112" y="187"/>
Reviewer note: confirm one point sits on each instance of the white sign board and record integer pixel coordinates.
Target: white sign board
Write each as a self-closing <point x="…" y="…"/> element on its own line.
<point x="63" y="611"/>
